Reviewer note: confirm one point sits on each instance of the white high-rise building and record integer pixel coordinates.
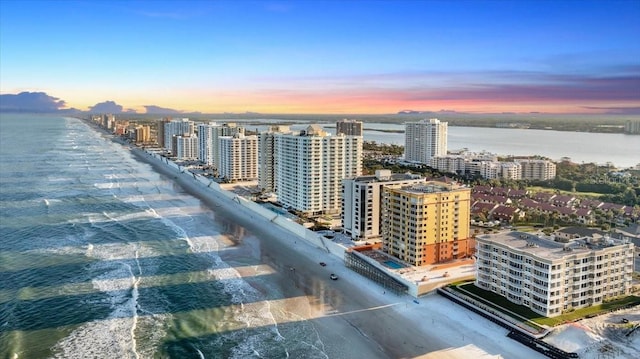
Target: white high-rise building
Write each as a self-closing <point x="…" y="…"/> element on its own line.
<point x="187" y="147"/>
<point x="310" y="167"/>
<point x="362" y="199"/>
<point x="238" y="157"/>
<point x="181" y="127"/>
<point x="208" y="136"/>
<point x="425" y="139"/>
<point x="266" y="170"/>
<point x="206" y="150"/>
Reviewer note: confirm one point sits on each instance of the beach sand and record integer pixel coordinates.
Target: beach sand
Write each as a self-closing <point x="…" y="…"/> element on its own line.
<point x="354" y="317"/>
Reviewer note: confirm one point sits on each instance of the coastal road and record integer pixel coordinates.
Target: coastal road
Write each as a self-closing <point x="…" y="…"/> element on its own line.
<point x="353" y="316"/>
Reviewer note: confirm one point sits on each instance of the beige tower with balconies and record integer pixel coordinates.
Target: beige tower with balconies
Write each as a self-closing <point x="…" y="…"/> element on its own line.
<point x="427" y="223"/>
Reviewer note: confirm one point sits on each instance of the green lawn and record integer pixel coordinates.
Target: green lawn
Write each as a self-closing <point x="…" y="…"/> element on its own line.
<point x="594" y="310"/>
<point x="502" y="304"/>
<point x="535" y="189"/>
<point x="527" y="313"/>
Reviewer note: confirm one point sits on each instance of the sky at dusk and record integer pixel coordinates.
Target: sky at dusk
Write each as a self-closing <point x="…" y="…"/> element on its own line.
<point x="326" y="56"/>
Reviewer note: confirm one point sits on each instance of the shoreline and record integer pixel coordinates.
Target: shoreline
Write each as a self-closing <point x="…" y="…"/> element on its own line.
<point x="385" y="325"/>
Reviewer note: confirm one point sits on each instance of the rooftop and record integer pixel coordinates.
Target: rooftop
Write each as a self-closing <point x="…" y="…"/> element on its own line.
<point x="432" y="187"/>
<point x="388" y="177"/>
<point x="547" y="248"/>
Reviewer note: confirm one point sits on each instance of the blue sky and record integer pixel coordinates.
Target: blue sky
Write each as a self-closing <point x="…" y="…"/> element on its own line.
<point x="326" y="56"/>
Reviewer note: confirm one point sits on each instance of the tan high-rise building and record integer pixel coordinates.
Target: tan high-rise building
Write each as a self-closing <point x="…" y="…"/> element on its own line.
<point x="427" y="223"/>
<point x="160" y="131"/>
<point x="143" y="134"/>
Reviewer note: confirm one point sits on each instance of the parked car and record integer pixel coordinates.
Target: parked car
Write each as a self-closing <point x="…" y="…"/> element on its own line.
<point x="323" y="264"/>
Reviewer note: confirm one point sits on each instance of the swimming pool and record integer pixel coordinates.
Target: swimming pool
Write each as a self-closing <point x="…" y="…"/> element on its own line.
<point x="392" y="264"/>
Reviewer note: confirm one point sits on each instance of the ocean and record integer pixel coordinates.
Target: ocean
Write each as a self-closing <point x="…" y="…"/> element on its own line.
<point x="101" y="257"/>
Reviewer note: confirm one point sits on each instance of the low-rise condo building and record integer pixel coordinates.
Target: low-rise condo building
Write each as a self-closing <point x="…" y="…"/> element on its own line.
<point x="553" y="277"/>
<point x="537" y="169"/>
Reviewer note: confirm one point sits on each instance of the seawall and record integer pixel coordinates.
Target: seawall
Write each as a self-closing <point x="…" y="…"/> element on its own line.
<point x="248" y="213"/>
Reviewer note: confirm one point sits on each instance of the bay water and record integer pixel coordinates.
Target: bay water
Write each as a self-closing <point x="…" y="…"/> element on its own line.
<point x="621" y="150"/>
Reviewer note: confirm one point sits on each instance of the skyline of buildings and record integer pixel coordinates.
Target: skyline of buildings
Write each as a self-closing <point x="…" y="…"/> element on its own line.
<point x="209" y="135"/>
<point x="419" y="222"/>
<point x="488" y="166"/>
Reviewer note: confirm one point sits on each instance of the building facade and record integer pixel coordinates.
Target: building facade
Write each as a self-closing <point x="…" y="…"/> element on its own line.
<point x="209" y="143"/>
<point x="537" y="169"/>
<point x="632" y="127"/>
<point x="266" y="144"/>
<point x="238" y="157"/>
<point x="424" y="140"/>
<point x="180" y="127"/>
<point x="495" y="170"/>
<point x="427" y="223"/>
<point x="362" y="202"/>
<point x="310" y="166"/>
<point x="206" y="149"/>
<point x="143" y="134"/>
<point x="552" y="277"/>
<point x="349" y="127"/>
<point x="450" y="163"/>
<point x="160" y="131"/>
<point x="187" y="147"/>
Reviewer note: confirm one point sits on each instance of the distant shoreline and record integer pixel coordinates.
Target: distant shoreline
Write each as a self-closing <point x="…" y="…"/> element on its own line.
<point x="563" y="123"/>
